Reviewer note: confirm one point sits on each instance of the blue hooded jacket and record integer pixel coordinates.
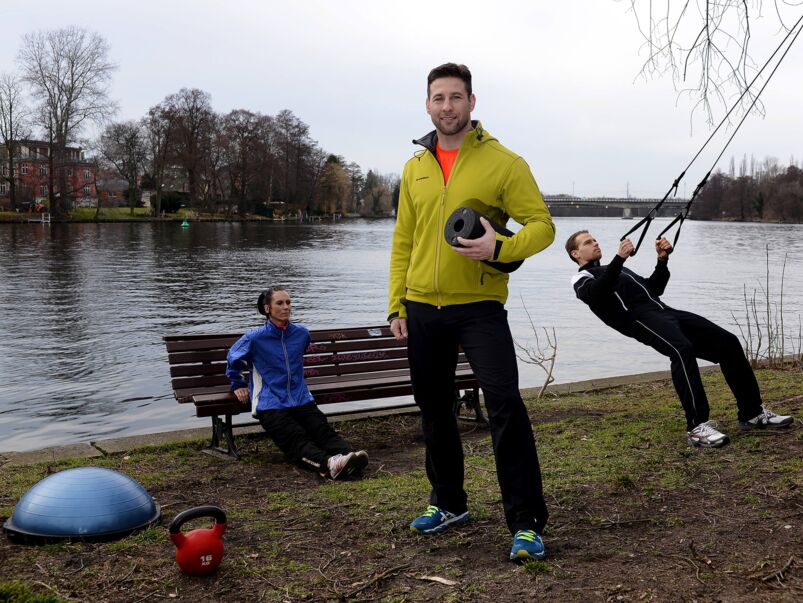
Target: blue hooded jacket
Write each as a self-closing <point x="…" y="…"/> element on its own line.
<point x="276" y="359"/>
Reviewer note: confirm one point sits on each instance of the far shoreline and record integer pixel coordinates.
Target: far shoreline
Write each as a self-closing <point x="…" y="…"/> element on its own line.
<point x="31" y="219"/>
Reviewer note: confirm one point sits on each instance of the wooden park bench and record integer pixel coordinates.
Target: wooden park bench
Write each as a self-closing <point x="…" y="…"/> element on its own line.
<point x="341" y="365"/>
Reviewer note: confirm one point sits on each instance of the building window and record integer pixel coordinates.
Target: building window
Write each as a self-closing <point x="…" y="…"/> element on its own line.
<point x="24" y="168"/>
<point x="86" y="174"/>
<point x="87" y="190"/>
<point x="69" y="173"/>
<point x="4" y="170"/>
<point x="43" y="170"/>
<point x="43" y="190"/>
<point x="3" y="188"/>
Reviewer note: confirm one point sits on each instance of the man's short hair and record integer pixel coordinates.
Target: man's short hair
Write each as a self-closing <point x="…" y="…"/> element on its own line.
<point x="571" y="244"/>
<point x="450" y="70"/>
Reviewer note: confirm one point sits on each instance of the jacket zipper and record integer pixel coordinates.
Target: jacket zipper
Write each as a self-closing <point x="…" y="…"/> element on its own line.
<point x="645" y="291"/>
<point x="438" y="245"/>
<point x="287" y="365"/>
<point x="440" y="216"/>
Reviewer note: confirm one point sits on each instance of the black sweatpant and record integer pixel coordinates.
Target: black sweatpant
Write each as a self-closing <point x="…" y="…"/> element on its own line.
<point x="304" y="435"/>
<point x="481" y="329"/>
<point x="684" y="337"/>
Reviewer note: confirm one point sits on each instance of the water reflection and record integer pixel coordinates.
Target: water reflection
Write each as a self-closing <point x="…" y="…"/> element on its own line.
<point x="84" y="306"/>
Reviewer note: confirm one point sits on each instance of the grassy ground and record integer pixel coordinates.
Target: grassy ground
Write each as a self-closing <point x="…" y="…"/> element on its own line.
<point x="87" y="214"/>
<point x="636" y="515"/>
<point x="110" y="213"/>
<point x="117" y="214"/>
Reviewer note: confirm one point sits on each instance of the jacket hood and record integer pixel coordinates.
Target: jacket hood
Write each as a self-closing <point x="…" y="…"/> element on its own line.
<point x="428" y="141"/>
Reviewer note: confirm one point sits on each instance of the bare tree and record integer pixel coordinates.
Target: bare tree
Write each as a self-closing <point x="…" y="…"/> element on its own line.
<point x="214" y="164"/>
<point x="705" y="46"/>
<point x="14" y="126"/>
<point x="297" y="155"/>
<point x="357" y="182"/>
<point x="69" y="73"/>
<point x="241" y="135"/>
<point x="158" y="130"/>
<point x="191" y="113"/>
<point x="378" y="190"/>
<point x="123" y="146"/>
<point x="544" y="358"/>
<point x="334" y="186"/>
<point x="265" y="158"/>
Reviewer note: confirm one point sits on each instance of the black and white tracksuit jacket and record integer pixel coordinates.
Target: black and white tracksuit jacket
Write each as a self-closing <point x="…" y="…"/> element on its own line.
<point x="631" y="304"/>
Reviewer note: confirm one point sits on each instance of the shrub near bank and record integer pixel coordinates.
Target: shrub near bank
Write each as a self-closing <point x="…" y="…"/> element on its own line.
<point x="635" y="514"/>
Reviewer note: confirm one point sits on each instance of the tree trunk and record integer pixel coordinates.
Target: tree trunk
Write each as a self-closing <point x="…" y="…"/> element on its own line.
<point x="63" y="189"/>
<point x="191" y="184"/>
<point x="51" y="175"/>
<point x="158" y="206"/>
<point x="132" y="197"/>
<point x="12" y="184"/>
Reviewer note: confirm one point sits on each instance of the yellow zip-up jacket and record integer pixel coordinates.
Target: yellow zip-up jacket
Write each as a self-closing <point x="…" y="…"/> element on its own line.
<point x="489" y="178"/>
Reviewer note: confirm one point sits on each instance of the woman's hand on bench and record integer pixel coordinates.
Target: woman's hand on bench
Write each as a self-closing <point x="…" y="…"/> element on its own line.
<point x="243" y="394"/>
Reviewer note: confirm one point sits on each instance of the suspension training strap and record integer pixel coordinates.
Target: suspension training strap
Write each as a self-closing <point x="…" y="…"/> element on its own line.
<point x="683" y="214"/>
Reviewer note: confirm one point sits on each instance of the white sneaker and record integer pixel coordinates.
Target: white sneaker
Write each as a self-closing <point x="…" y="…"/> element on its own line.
<point x="767" y="418"/>
<point x="706" y="434"/>
<point x="338" y="463"/>
<point x="347" y="464"/>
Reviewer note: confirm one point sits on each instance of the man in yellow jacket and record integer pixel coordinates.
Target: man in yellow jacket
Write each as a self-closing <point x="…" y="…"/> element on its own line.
<point x="442" y="297"/>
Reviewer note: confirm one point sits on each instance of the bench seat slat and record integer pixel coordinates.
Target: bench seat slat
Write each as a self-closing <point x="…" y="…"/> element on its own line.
<point x="225" y="403"/>
<point x="463" y="378"/>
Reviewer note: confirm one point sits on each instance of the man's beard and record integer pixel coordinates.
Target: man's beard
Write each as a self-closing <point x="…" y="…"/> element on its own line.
<point x="448" y="131"/>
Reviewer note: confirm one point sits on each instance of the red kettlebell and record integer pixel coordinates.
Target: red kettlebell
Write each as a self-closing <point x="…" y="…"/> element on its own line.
<point x="199" y="552"/>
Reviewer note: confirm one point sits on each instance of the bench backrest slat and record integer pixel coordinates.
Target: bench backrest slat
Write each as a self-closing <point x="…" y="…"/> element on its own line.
<point x="192" y="357"/>
<point x="198" y="345"/>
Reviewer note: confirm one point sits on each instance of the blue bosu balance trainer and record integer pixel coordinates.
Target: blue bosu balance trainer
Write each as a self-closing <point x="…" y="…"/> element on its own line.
<point x="88" y="503"/>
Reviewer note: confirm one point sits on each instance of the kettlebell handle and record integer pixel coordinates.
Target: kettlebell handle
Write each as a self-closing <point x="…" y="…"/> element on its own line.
<point x="205" y="511"/>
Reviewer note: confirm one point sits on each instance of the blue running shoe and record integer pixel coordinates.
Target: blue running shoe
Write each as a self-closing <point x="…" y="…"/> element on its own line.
<point x="527" y="545"/>
<point x="436" y="520"/>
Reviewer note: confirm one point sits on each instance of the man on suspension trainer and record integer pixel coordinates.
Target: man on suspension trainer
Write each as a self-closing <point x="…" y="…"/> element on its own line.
<point x="631" y="304"/>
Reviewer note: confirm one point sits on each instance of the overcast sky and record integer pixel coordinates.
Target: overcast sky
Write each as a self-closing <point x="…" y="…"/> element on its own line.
<point x="555" y="81"/>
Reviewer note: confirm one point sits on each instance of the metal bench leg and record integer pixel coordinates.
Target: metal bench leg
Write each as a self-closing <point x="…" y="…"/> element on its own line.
<point x="471" y="400"/>
<point x="223" y="427"/>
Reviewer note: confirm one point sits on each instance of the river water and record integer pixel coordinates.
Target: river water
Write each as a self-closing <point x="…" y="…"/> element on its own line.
<point x="83" y="307"/>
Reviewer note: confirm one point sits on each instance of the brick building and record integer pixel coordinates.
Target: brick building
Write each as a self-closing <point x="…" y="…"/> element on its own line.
<point x="30" y="172"/>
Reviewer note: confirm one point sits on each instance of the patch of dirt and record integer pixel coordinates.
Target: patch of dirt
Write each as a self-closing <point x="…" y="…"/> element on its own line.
<point x="706" y="541"/>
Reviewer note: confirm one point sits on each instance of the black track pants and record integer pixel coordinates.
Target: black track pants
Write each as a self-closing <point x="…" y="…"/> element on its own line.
<point x="684" y="337"/>
<point x="481" y="329"/>
<point x="304" y="435"/>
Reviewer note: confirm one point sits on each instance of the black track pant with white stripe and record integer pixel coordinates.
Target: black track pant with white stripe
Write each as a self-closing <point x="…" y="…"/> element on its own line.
<point x="304" y="435"/>
<point x="684" y="337"/>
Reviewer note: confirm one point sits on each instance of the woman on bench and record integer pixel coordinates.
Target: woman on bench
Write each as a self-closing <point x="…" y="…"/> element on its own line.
<point x="280" y="398"/>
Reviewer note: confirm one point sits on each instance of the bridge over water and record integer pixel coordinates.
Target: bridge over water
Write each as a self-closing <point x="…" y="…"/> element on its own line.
<point x="625" y="207"/>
